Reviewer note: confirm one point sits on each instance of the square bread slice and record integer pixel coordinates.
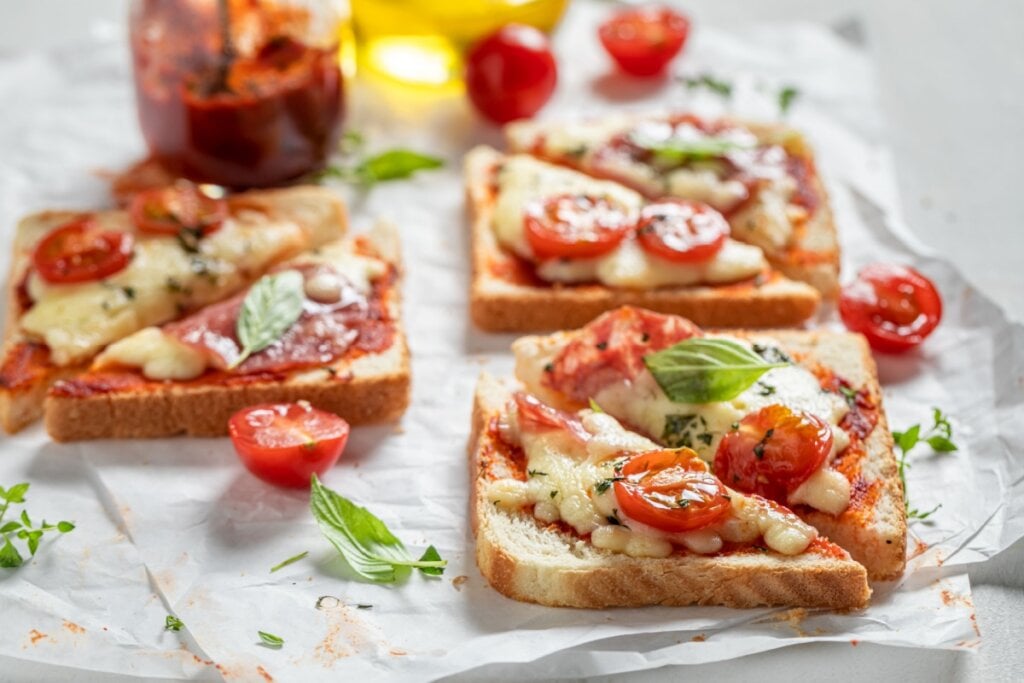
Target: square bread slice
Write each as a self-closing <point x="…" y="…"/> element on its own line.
<point x="527" y="560"/>
<point x="809" y="253"/>
<point x="506" y="296"/>
<point x="873" y="527"/>
<point x="27" y="369"/>
<point x="362" y="387"/>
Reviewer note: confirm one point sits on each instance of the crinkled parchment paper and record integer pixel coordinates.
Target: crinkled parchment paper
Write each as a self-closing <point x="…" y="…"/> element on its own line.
<point x="176" y="526"/>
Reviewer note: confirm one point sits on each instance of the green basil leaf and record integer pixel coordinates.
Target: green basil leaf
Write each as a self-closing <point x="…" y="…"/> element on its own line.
<point x="270" y="640"/>
<point x="25" y="518"/>
<point x="723" y="88"/>
<point x="65" y="527"/>
<point x="16" y="494"/>
<point x="363" y="540"/>
<point x="704" y="370"/>
<point x="678" y="152"/>
<point x="9" y="555"/>
<point x="941" y="444"/>
<point x="786" y="97"/>
<point x="394" y="164"/>
<point x="33" y="541"/>
<point x="908" y="439"/>
<point x="10" y="526"/>
<point x="272" y="306"/>
<point x="431" y="555"/>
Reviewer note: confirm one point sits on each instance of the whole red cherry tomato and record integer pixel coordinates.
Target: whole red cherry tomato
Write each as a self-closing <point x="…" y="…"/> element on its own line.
<point x="285" y="443"/>
<point x="511" y="73"/>
<point x="643" y="40"/>
<point x="895" y="307"/>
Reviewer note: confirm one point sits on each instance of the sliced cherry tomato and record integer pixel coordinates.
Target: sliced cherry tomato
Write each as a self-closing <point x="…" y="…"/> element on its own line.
<point x="895" y="307"/>
<point x="574" y="226"/>
<point x="671" y="490"/>
<point x="181" y="207"/>
<point x="773" y="451"/>
<point x="511" y="73"/>
<point x="285" y="443"/>
<point x="611" y="348"/>
<point x="81" y="251"/>
<point x="643" y="40"/>
<point x="536" y="416"/>
<point x="682" y="231"/>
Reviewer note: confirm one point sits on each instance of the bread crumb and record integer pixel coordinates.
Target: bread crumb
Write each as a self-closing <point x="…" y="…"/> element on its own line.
<point x="459" y="581"/>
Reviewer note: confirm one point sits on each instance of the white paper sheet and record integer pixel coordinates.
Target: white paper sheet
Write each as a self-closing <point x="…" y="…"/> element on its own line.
<point x="177" y="526"/>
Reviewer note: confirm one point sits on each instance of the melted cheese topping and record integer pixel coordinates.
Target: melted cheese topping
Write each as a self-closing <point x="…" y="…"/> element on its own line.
<point x="562" y="485"/>
<point x="524" y="180"/>
<point x="77" y="320"/>
<point x="160" y="356"/>
<point x="767" y="223"/>
<point x="701" y="426"/>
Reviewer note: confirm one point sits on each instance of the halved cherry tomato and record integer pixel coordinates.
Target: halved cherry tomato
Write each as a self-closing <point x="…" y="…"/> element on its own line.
<point x="574" y="226"/>
<point x="611" y="348"/>
<point x="511" y="73"/>
<point x="81" y="251"/>
<point x="895" y="307"/>
<point x="643" y="40"/>
<point x="773" y="451"/>
<point x="170" y="210"/>
<point x="536" y="416"/>
<point x="682" y="231"/>
<point x="285" y="443"/>
<point x="671" y="490"/>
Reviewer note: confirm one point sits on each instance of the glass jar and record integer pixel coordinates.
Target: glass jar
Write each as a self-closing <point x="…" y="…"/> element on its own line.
<point x="241" y="93"/>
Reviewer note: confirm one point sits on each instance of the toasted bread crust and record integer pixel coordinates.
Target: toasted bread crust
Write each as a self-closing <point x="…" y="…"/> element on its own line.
<point x="498" y="304"/>
<point x="527" y="561"/>
<point x="812" y="256"/>
<point x="20" y="406"/>
<point x="205" y="410"/>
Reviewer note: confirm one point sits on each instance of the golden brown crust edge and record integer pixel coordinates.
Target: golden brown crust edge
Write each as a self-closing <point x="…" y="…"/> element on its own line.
<point x="205" y="410"/>
<point x="497" y="305"/>
<point x="619" y="581"/>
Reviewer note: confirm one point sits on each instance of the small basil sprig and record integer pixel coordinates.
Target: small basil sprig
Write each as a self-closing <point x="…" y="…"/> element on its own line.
<point x="365" y="543"/>
<point x="703" y="370"/>
<point x="21" y="528"/>
<point x="272" y="305"/>
<point x="394" y="164"/>
<point x="716" y="85"/>
<point x="939" y="437"/>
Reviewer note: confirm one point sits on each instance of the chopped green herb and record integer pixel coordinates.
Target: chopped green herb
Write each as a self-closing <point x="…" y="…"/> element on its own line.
<point x="765" y="389"/>
<point x="552" y="494"/>
<point x="173" y="623"/>
<point x="605" y="484"/>
<point x="270" y="640"/>
<point x="549" y="367"/>
<point x="536" y="473"/>
<point x="717" y="85"/>
<point x="759" y="447"/>
<point x="593" y="406"/>
<point x="786" y="97"/>
<point x="683" y="503"/>
<point x="291" y="560"/>
<point x="849" y="393"/>
<point x="601" y="346"/>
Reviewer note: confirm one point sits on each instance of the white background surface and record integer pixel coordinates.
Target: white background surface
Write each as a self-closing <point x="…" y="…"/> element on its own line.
<point x="950" y="77"/>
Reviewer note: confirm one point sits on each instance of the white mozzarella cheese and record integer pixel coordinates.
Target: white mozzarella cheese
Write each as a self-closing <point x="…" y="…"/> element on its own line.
<point x="524" y="180"/>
